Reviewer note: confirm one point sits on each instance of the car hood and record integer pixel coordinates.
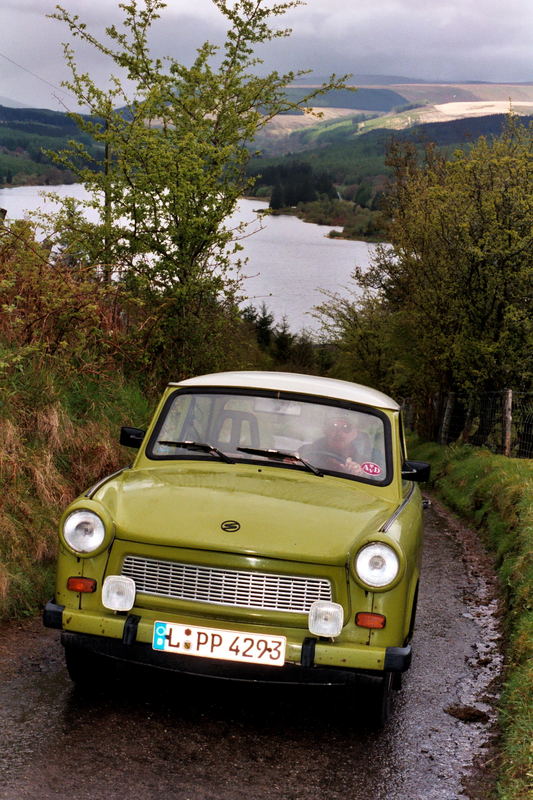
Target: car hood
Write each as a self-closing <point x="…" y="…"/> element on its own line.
<point x="283" y="514"/>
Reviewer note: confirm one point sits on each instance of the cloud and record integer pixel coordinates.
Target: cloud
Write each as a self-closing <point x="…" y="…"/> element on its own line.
<point x="444" y="40"/>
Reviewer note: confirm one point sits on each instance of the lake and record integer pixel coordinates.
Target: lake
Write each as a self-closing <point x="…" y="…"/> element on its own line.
<point x="289" y="261"/>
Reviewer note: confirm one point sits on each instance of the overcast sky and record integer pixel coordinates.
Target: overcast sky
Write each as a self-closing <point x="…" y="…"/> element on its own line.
<point x="444" y="40"/>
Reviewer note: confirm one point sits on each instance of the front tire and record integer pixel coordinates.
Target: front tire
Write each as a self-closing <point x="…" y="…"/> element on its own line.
<point x="375" y="699"/>
<point x="87" y="670"/>
<point x="383" y="699"/>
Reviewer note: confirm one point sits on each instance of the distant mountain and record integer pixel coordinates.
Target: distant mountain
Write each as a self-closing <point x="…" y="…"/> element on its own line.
<point x="374" y="99"/>
<point x="360" y="80"/>
<point x="383" y="80"/>
<point x="450" y="134"/>
<point x="357" y="79"/>
<point x="349" y="142"/>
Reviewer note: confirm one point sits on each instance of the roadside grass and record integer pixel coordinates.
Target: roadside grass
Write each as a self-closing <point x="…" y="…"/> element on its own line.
<point x="58" y="435"/>
<point x="495" y="494"/>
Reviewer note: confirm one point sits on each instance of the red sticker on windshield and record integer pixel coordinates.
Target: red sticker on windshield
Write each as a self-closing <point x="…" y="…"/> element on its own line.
<point x="370" y="468"/>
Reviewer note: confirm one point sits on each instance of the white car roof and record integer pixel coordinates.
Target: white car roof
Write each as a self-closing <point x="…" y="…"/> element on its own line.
<point x="299" y="384"/>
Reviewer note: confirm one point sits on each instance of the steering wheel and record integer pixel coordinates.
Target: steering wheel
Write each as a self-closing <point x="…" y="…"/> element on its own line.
<point x="322" y="453"/>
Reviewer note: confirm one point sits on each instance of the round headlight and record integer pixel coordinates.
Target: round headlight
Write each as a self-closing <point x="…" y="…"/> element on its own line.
<point x="84" y="531"/>
<point x="377" y="564"/>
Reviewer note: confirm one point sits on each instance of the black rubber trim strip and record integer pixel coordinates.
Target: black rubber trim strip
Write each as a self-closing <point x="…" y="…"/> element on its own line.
<point x="129" y="634"/>
<point x="143" y="654"/>
<point x="92" y="491"/>
<point x="53" y="615"/>
<point x="307" y="658"/>
<point x="398" y="659"/>
<point x="386" y="525"/>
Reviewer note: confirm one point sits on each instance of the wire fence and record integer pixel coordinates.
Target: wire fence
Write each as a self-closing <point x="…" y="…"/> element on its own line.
<point x="501" y="421"/>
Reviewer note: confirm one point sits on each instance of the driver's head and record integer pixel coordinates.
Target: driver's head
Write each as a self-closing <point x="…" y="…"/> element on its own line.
<point x="340" y="429"/>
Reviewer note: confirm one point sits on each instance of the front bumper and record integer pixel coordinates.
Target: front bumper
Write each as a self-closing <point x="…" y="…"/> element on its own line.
<point x="128" y="638"/>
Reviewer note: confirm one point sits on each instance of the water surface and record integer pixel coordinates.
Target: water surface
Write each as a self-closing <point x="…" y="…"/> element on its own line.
<point x="289" y="262"/>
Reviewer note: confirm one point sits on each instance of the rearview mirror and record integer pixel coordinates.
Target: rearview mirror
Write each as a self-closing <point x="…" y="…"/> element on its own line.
<point x="418" y="471"/>
<point x="131" y="437"/>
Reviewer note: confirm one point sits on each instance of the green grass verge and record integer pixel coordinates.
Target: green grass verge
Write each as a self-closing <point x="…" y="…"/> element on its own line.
<point x="495" y="494"/>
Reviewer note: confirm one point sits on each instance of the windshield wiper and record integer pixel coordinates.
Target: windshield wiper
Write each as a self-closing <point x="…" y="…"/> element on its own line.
<point x="202" y="447"/>
<point x="281" y="456"/>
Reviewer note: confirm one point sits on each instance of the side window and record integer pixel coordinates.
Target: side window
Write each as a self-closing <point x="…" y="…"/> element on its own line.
<point x="187" y="419"/>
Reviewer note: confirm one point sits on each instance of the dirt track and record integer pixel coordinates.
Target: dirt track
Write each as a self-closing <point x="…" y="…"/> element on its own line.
<point x="185" y="739"/>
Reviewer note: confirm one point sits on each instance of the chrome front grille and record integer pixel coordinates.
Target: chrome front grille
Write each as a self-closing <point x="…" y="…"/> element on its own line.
<point x="226" y="587"/>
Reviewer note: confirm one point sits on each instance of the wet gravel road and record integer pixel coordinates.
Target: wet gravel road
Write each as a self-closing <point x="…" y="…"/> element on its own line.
<point x="198" y="740"/>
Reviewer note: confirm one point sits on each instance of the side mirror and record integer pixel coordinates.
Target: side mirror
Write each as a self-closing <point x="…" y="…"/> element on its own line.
<point x="418" y="471"/>
<point x="131" y="437"/>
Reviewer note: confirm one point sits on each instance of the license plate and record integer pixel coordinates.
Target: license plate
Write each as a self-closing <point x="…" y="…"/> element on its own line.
<point x="188" y="640"/>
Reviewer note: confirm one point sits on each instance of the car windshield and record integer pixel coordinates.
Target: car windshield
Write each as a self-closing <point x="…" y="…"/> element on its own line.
<point x="343" y="439"/>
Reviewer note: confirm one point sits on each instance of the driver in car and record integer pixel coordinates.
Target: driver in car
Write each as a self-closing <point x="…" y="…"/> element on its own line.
<point x="343" y="447"/>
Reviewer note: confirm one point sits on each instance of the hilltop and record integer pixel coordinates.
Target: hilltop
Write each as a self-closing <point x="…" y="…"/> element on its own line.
<point x="397" y="105"/>
<point x="378" y="104"/>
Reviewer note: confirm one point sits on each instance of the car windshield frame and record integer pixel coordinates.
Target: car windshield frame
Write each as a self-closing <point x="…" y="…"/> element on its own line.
<point x="242" y="457"/>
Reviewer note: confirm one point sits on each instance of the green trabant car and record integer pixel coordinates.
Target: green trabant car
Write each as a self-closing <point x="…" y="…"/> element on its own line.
<point x="269" y="529"/>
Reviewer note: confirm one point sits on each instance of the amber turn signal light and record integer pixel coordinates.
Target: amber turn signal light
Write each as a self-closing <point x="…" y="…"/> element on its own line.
<point x="77" y="584"/>
<point x="365" y="619"/>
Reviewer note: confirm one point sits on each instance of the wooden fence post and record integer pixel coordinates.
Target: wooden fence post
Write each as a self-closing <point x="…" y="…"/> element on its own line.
<point x="450" y="402"/>
<point x="507" y="420"/>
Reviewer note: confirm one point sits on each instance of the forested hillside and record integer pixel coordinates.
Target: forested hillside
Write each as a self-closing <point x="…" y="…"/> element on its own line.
<point x="26" y="134"/>
<point x="350" y="144"/>
<point x="374" y="99"/>
<point x="354" y="166"/>
<point x="337" y="148"/>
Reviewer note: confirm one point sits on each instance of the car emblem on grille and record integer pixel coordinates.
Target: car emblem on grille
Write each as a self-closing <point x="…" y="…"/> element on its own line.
<point x="230" y="526"/>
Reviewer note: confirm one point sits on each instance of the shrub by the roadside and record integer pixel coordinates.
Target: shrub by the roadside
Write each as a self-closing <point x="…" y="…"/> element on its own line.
<point x="58" y="434"/>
